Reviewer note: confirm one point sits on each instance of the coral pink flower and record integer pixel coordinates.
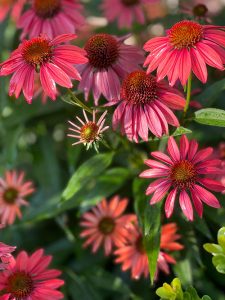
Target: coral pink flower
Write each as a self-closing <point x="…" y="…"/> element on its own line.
<point x="197" y="9"/>
<point x="28" y="278"/>
<point x="109" y="61"/>
<point x="132" y="254"/>
<point x="88" y="132"/>
<point x="51" y="17"/>
<point x="219" y="153"/>
<point x="188" y="46"/>
<point x="52" y="61"/>
<point x="182" y="173"/>
<point x="5" y="254"/>
<point x="145" y="105"/>
<point x="14" y="7"/>
<point x="106" y="225"/>
<point x="13" y="191"/>
<point x="125" y="11"/>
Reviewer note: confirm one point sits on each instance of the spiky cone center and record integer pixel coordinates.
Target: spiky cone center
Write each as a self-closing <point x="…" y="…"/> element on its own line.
<point x="185" y="34"/>
<point x="47" y="8"/>
<point x="89" y="132"/>
<point x="10" y="195"/>
<point x="183" y="174"/>
<point x="37" y="51"/>
<point x="20" y="285"/>
<point x="140" y="244"/>
<point x="102" y="50"/>
<point x="200" y="10"/>
<point x="139" y="88"/>
<point x="130" y="2"/>
<point x="106" y="225"/>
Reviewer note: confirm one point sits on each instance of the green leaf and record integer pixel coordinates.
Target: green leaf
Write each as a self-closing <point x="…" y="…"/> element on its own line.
<point x="211" y="93"/>
<point x="210" y="116"/>
<point x="86" y="172"/>
<point x="221" y="238"/>
<point x="180" y="131"/>
<point x="213" y="248"/>
<point x="150" y="219"/>
<point x="193" y="293"/>
<point x="219" y="263"/>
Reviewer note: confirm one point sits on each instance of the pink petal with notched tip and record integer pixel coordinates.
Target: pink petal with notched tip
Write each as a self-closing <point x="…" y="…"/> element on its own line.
<point x="185" y="204"/>
<point x="169" y="204"/>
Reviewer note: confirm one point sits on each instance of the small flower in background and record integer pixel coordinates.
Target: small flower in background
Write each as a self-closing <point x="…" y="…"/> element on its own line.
<point x="28" y="277"/>
<point x="5" y="254"/>
<point x="88" y="132"/>
<point x="187" y="47"/>
<point x="14" y="7"/>
<point x="51" y="17"/>
<point x="13" y="190"/>
<point x="197" y="10"/>
<point x="52" y="61"/>
<point x="183" y="173"/>
<point x="219" y="153"/>
<point x="109" y="61"/>
<point x="105" y="224"/>
<point x="126" y="12"/>
<point x="145" y="105"/>
<point x="132" y="254"/>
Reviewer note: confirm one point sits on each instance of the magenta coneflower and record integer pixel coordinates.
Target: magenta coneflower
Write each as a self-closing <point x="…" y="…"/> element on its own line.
<point x="145" y="105"/>
<point x="14" y="7"/>
<point x="51" y="17"/>
<point x="196" y="9"/>
<point x="53" y="63"/>
<point x="183" y="174"/>
<point x="28" y="278"/>
<point x="109" y="61"/>
<point x="88" y="132"/>
<point x="188" y="46"/>
<point x="106" y="225"/>
<point x="125" y="11"/>
<point x="219" y="153"/>
<point x="132" y="254"/>
<point x="13" y="191"/>
<point x="5" y="254"/>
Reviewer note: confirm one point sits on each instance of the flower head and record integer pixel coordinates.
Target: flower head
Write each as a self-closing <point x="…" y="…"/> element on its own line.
<point x="133" y="255"/>
<point x="13" y="191"/>
<point x="28" y="278"/>
<point x="88" y="132"/>
<point x="14" y="7"/>
<point x="182" y="174"/>
<point x="109" y="61"/>
<point x="188" y="46"/>
<point x="219" y="153"/>
<point x="5" y="254"/>
<point x="106" y="225"/>
<point x="126" y="12"/>
<point x="197" y="9"/>
<point x="51" y="17"/>
<point x="145" y="105"/>
<point x="47" y="58"/>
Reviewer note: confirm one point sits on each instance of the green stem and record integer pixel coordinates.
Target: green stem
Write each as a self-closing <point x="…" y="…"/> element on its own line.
<point x="188" y="97"/>
<point x="79" y="103"/>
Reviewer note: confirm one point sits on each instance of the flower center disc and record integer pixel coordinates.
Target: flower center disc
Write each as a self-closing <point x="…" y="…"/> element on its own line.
<point x="89" y="132"/>
<point x="37" y="51"/>
<point x="183" y="174"/>
<point x="102" y="50"/>
<point x="10" y="195"/>
<point x="139" y="88"/>
<point x="200" y="10"/>
<point x="185" y="34"/>
<point x="106" y="225"/>
<point x="46" y="8"/>
<point x="130" y="2"/>
<point x="20" y="285"/>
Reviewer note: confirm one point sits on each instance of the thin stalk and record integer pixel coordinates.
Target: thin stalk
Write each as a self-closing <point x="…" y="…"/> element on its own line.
<point x="79" y="103"/>
<point x="188" y="96"/>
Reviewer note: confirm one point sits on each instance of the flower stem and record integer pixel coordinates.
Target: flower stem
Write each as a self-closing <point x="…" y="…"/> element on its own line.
<point x="188" y="97"/>
<point x="78" y="102"/>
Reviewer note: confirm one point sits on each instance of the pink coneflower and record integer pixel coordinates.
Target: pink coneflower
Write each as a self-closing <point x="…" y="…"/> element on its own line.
<point x="197" y="9"/>
<point x="14" y="7"/>
<point x="219" y="153"/>
<point x="188" y="46"/>
<point x="145" y="105"/>
<point x="52" y="61"/>
<point x="88" y="132"/>
<point x="28" y="278"/>
<point x="109" y="61"/>
<point x="13" y="191"/>
<point x="51" y="17"/>
<point x="5" y="254"/>
<point x="182" y="173"/>
<point x="105" y="225"/>
<point x="125" y="11"/>
<point x="132" y="254"/>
